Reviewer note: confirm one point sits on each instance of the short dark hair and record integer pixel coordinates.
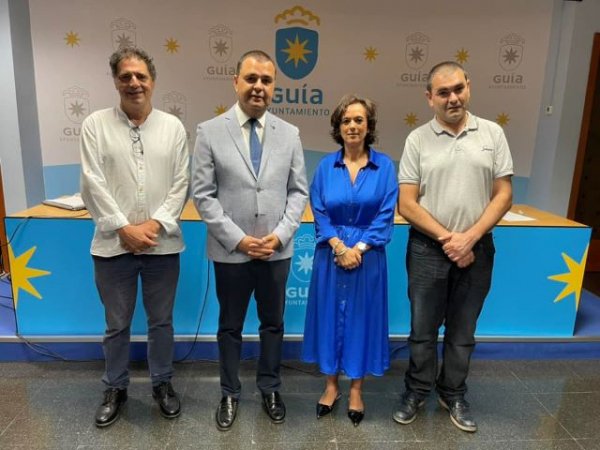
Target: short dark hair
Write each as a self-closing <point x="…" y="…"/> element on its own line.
<point x="340" y="110"/>
<point x="256" y="54"/>
<point x="131" y="52"/>
<point x="444" y="65"/>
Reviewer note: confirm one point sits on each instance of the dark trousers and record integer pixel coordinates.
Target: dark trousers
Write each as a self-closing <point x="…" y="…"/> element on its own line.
<point x="442" y="294"/>
<point x="235" y="284"/>
<point x="117" y="282"/>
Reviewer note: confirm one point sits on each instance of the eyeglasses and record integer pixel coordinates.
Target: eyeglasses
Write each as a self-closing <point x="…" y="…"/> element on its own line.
<point x="136" y="140"/>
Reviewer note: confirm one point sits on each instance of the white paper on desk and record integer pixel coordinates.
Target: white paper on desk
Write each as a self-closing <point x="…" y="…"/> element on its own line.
<point x="71" y="202"/>
<point x="514" y="217"/>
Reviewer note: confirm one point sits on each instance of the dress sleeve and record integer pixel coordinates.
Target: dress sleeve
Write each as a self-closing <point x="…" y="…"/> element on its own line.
<point x="379" y="232"/>
<point x="168" y="213"/>
<point x="94" y="188"/>
<point x="324" y="230"/>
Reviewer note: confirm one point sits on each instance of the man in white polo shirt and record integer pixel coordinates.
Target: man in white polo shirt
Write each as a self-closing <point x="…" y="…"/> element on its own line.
<point x="455" y="185"/>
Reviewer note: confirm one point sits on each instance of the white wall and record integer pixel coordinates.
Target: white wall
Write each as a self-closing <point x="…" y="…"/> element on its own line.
<point x="574" y="25"/>
<point x="10" y="142"/>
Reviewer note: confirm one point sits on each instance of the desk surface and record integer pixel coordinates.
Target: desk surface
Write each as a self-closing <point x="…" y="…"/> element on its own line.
<point x="541" y="218"/>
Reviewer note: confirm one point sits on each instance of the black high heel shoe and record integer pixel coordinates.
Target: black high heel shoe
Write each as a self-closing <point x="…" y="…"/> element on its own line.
<point x="356" y="416"/>
<point x="323" y="410"/>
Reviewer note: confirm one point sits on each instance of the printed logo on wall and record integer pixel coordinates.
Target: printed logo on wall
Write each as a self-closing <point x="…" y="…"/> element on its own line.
<point x="510" y="57"/>
<point x="175" y="103"/>
<point x="304" y="252"/>
<point x="220" y="46"/>
<point x="417" y="50"/>
<point x="76" y="104"/>
<point x="510" y="53"/>
<point x="416" y="54"/>
<point x="76" y="107"/>
<point x="296" y="53"/>
<point x="297" y="48"/>
<point x="122" y="33"/>
<point x="220" y="43"/>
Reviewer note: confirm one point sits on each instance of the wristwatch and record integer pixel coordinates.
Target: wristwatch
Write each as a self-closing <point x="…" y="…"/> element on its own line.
<point x="362" y="247"/>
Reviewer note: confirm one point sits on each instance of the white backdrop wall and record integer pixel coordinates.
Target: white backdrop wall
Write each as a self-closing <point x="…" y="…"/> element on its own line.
<point x="381" y="49"/>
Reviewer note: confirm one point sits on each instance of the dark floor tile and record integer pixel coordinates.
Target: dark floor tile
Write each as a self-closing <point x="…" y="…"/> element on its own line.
<point x="377" y="424"/>
<point x="300" y="426"/>
<point x="548" y="376"/>
<point x="589" y="444"/>
<point x="499" y="415"/>
<point x="578" y="413"/>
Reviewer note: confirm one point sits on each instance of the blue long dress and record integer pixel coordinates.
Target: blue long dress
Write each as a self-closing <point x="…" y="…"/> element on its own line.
<point x="346" y="328"/>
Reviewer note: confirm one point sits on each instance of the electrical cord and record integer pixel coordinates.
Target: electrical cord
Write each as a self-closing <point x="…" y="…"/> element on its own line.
<point x="201" y="317"/>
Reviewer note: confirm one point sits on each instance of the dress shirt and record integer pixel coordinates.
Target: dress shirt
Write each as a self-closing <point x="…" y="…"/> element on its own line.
<point x="244" y="121"/>
<point x="123" y="183"/>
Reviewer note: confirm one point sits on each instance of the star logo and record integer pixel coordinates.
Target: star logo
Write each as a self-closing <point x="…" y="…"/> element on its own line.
<point x="510" y="53"/>
<point x="220" y="43"/>
<point x="417" y="50"/>
<point x="175" y="103"/>
<point x="461" y="56"/>
<point x="502" y="119"/>
<point x="411" y="119"/>
<point x="72" y="39"/>
<point x="21" y="274"/>
<point x="304" y="252"/>
<point x="297" y="47"/>
<point x="220" y="109"/>
<point x="77" y="109"/>
<point x="76" y="104"/>
<point x="122" y="33"/>
<point x="573" y="278"/>
<point x="370" y="54"/>
<point x="172" y="45"/>
<point x="297" y="51"/>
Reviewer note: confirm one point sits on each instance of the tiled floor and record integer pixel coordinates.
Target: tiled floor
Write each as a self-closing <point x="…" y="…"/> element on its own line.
<point x="518" y="405"/>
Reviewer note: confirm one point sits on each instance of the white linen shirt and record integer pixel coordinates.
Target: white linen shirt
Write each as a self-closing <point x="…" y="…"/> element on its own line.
<point x="123" y="183"/>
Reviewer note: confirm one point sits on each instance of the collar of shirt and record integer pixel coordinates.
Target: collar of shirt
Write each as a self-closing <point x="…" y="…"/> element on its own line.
<point x="243" y="118"/>
<point x="373" y="159"/>
<point x="469" y="126"/>
<point x="123" y="116"/>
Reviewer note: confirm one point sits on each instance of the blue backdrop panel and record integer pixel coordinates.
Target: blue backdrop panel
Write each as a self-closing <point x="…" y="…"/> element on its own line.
<point x="520" y="303"/>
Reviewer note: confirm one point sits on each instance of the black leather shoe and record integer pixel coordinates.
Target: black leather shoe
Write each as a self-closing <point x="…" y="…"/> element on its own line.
<point x="406" y="412"/>
<point x="167" y="399"/>
<point x="108" y="412"/>
<point x="274" y="407"/>
<point x="226" y="412"/>
<point x="460" y="413"/>
<point x="356" y="416"/>
<point x="323" y="410"/>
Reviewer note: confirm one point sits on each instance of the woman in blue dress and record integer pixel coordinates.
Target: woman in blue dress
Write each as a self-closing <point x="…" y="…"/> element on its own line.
<point x="353" y="197"/>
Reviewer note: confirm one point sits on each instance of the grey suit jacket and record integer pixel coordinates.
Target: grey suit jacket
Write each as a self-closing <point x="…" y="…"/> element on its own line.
<point x="232" y="201"/>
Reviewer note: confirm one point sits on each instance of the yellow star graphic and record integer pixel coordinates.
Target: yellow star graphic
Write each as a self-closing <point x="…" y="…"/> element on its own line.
<point x="20" y="274"/>
<point x="72" y="39"/>
<point x="296" y="51"/>
<point x="411" y="119"/>
<point x="573" y="278"/>
<point x="502" y="119"/>
<point x="371" y="54"/>
<point x="220" y="109"/>
<point x="462" y="55"/>
<point x="172" y="45"/>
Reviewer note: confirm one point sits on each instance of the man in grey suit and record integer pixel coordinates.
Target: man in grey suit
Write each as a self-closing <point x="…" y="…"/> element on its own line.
<point x="249" y="186"/>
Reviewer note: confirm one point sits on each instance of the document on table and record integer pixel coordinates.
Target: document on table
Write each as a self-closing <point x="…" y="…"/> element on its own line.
<point x="72" y="202"/>
<point x="515" y="217"/>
